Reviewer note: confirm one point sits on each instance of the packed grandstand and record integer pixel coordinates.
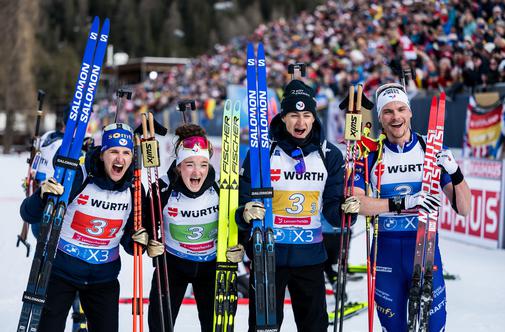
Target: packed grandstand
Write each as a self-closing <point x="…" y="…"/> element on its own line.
<point x="452" y="45"/>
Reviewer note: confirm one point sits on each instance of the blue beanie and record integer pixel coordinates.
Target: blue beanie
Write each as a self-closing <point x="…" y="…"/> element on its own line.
<point x="117" y="134"/>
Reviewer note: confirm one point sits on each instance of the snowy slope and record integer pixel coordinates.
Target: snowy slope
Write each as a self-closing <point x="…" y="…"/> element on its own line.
<point x="474" y="301"/>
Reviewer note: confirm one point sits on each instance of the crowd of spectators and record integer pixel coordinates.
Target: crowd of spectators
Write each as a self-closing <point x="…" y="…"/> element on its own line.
<point x="451" y="45"/>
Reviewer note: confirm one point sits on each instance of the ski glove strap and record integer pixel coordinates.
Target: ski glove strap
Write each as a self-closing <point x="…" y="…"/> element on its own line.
<point x="424" y="200"/>
<point x="253" y="211"/>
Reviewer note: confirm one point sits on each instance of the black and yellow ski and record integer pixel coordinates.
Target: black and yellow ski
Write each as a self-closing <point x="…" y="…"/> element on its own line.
<point x="351" y="309"/>
<point x="225" y="305"/>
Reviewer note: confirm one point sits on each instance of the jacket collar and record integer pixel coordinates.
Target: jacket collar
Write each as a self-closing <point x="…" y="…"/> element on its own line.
<point x="287" y="143"/>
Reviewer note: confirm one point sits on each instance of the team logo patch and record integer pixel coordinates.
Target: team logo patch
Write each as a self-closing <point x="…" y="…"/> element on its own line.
<point x="300" y="105"/>
<point x="172" y="212"/>
<point x="379" y="170"/>
<point x="123" y="142"/>
<point x="82" y="199"/>
<point x="275" y="174"/>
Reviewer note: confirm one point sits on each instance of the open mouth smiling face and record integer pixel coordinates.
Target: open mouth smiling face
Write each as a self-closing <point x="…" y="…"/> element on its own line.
<point x="395" y="119"/>
<point x="116" y="162"/>
<point x="194" y="171"/>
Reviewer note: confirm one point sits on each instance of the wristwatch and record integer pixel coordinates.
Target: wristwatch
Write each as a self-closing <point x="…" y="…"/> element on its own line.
<point x="396" y="204"/>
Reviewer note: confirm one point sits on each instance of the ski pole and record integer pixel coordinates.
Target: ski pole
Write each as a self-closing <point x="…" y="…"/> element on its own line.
<point x="354" y="135"/>
<point x="150" y="153"/>
<point x="137" y="301"/>
<point x="366" y="132"/>
<point x="339" y="293"/>
<point x="29" y="184"/>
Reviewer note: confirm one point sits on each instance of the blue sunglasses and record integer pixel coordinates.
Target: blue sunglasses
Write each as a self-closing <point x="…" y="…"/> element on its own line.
<point x="300" y="165"/>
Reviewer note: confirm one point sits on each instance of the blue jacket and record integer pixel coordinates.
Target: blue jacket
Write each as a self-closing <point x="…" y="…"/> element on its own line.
<point x="296" y="255"/>
<point x="70" y="268"/>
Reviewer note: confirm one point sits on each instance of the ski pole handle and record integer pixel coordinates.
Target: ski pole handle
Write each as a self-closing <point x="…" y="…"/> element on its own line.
<point x="120" y="93"/>
<point x="40" y="97"/>
<point x="144" y="125"/>
<point x="150" y="148"/>
<point x="186" y="105"/>
<point x="351" y="99"/>
<point x="297" y="67"/>
<point x="151" y="125"/>
<point x="35" y="139"/>
<point x="358" y="98"/>
<point x="137" y="153"/>
<point x="353" y="119"/>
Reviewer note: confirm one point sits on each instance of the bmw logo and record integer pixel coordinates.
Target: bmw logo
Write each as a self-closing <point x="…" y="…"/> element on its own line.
<point x="71" y="249"/>
<point x="123" y="142"/>
<point x="390" y="223"/>
<point x="279" y="235"/>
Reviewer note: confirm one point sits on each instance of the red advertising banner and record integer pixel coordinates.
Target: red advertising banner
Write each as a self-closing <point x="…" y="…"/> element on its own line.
<point x="484" y="225"/>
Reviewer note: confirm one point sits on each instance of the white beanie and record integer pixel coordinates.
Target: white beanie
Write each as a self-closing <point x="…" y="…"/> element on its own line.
<point x="391" y="92"/>
<point x="196" y="150"/>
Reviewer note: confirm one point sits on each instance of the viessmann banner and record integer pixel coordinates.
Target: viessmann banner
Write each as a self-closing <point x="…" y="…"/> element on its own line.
<point x="484" y="226"/>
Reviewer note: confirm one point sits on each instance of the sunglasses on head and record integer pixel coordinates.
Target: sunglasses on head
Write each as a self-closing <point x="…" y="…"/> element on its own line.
<point x="114" y="126"/>
<point x="190" y="142"/>
<point x="300" y="161"/>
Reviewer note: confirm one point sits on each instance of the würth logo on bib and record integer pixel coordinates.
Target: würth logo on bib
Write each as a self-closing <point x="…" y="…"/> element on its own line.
<point x="172" y="212"/>
<point x="82" y="199"/>
<point x="307" y="176"/>
<point x="275" y="174"/>
<point x="199" y="213"/>
<point x="106" y="205"/>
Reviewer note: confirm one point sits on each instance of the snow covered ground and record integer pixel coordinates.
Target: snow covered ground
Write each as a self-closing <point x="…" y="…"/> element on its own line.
<point x="475" y="301"/>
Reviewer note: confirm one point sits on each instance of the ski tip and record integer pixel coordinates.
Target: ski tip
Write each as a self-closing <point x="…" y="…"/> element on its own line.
<point x="105" y="27"/>
<point x="96" y="22"/>
<point x="434" y="102"/>
<point x="237" y="106"/>
<point x="261" y="50"/>
<point x="228" y="104"/>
